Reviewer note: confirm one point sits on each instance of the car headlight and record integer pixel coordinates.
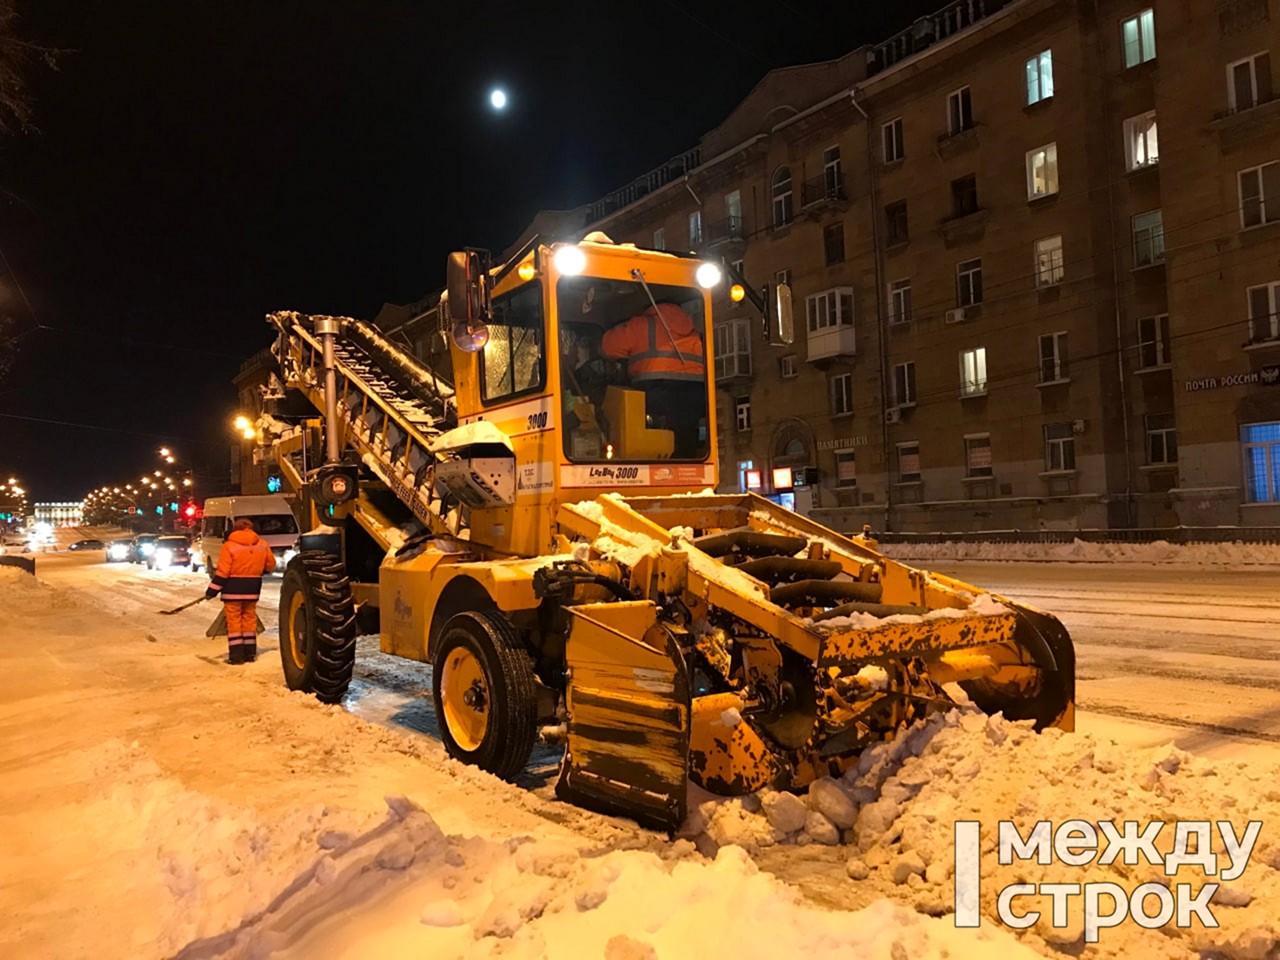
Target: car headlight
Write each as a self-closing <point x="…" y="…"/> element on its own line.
<point x="164" y="556"/>
<point x="119" y="552"/>
<point x="148" y="549"/>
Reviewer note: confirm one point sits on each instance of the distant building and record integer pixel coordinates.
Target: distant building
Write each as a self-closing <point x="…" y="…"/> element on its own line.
<point x="1034" y="254"/>
<point x="59" y="514"/>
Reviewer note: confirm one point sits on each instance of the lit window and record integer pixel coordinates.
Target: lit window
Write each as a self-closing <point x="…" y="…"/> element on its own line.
<point x="1040" y="77"/>
<point x="1260" y="194"/>
<point x="1148" y="239"/>
<point x="1139" y="36"/>
<point x="1162" y="438"/>
<point x="900" y="301"/>
<point x="846" y="469"/>
<point x="1049" y="266"/>
<point x="891" y="136"/>
<point x="1042" y="171"/>
<point x="1141" y="147"/>
<point x="743" y="467"/>
<point x="1261" y="446"/>
<point x="973" y="372"/>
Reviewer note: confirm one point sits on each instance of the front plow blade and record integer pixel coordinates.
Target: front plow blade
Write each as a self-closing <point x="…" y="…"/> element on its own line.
<point x="1051" y="701"/>
<point x="628" y="702"/>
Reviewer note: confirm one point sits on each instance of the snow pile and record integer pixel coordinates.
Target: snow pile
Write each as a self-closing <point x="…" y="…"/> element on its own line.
<point x="896" y="811"/>
<point x="24" y="594"/>
<point x="1080" y="551"/>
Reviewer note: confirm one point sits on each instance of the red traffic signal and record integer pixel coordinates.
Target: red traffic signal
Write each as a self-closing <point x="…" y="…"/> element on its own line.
<point x="189" y="510"/>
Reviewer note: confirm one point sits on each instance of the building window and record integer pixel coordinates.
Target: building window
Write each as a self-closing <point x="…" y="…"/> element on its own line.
<point x="695" y="229"/>
<point x="781" y="192"/>
<point x="833" y="242"/>
<point x="1040" y="77"/>
<point x="1042" y="171"/>
<point x="733" y="349"/>
<point x="900" y="301"/>
<point x="891" y="138"/>
<point x="964" y="196"/>
<point x="744" y="466"/>
<point x="1141" y="147"/>
<point x="969" y="282"/>
<point x="1049" y="267"/>
<point x="831" y="178"/>
<point x="1162" y="438"/>
<point x="787" y="366"/>
<point x="781" y="277"/>
<point x="660" y="239"/>
<point x="1148" y="239"/>
<point x="846" y="469"/>
<point x="909" y="462"/>
<point x="737" y="267"/>
<point x="977" y="455"/>
<point x="1261" y="444"/>
<point x="742" y="412"/>
<point x="733" y="213"/>
<point x="895" y="223"/>
<point x="973" y="372"/>
<point x="1264" y="321"/>
<point x="841" y="394"/>
<point x="831" y="308"/>
<point x="904" y="384"/>
<point x="1053" y="357"/>
<point x="1153" y="341"/>
<point x="959" y="111"/>
<point x="1260" y="194"/>
<point x="1249" y="82"/>
<point x="1139" y="36"/>
<point x="1059" y="447"/>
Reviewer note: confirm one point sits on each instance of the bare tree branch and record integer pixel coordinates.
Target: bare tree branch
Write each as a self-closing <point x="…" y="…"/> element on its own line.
<point x="16" y="57"/>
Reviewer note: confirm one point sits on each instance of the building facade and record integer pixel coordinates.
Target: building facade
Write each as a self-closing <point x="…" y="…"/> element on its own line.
<point x="1033" y="251"/>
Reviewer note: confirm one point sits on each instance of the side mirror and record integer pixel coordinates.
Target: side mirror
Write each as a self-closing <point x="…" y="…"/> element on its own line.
<point x="465" y="300"/>
<point x="782" y="309"/>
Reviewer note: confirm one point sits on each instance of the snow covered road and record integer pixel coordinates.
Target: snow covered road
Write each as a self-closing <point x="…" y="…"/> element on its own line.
<point x="156" y="802"/>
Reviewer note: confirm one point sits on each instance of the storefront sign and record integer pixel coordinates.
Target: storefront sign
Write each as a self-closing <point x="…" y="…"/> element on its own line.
<point x="782" y="478"/>
<point x="1269" y="375"/>
<point x="843" y="443"/>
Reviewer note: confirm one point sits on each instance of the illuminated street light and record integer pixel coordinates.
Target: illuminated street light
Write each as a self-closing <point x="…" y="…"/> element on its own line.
<point x="242" y="423"/>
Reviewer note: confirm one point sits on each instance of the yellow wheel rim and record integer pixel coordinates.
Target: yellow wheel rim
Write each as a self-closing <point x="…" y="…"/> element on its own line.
<point x="296" y="621"/>
<point x="464" y="696"/>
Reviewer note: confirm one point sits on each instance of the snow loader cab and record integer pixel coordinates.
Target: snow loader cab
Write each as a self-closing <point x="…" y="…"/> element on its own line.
<point x="533" y="518"/>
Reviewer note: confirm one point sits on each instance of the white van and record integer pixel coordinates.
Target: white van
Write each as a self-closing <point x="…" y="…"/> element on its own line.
<point x="272" y="518"/>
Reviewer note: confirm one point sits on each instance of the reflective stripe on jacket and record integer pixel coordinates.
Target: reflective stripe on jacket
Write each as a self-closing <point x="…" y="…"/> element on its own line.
<point x="650" y="352"/>
<point x="245" y="557"/>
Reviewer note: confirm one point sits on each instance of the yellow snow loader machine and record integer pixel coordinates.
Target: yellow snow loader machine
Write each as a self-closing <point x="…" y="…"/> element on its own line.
<point x="522" y="504"/>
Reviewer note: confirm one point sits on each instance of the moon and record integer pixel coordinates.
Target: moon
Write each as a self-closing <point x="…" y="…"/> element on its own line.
<point x="498" y="99"/>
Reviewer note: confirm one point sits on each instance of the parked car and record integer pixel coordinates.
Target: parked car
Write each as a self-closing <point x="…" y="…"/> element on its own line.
<point x="88" y="545"/>
<point x="118" y="550"/>
<point x="142" y="547"/>
<point x="170" y="552"/>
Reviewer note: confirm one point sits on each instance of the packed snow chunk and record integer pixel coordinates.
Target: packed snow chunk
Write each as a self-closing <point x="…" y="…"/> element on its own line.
<point x="873" y="679"/>
<point x="828" y="798"/>
<point x="821" y="830"/>
<point x="784" y="811"/>
<point x="623" y="947"/>
<point x="903" y="867"/>
<point x="730" y="718"/>
<point x="442" y="913"/>
<point x="857" y="869"/>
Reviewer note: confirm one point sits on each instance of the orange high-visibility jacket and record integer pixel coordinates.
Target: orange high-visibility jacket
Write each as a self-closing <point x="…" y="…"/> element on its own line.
<point x="245" y="557"/>
<point x="650" y="352"/>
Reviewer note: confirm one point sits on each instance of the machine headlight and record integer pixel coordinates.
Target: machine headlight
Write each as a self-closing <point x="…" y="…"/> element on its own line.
<point x="707" y="275"/>
<point x="570" y="261"/>
<point x="164" y="557"/>
<point x="289" y="555"/>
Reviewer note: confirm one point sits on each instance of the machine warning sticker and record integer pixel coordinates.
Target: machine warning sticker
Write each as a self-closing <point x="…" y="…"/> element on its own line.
<point x="536" y="477"/>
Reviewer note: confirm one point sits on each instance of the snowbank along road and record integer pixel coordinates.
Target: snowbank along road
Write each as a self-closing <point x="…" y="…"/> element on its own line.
<point x="157" y="802"/>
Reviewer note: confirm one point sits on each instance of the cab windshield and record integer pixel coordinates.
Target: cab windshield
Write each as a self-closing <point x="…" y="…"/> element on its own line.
<point x="633" y="379"/>
<point x="272" y="524"/>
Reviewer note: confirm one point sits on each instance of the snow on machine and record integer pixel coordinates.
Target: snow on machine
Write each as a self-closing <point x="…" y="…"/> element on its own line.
<point x="532" y="514"/>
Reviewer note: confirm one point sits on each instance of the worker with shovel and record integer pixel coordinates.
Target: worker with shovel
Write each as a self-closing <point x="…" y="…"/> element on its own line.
<point x="244" y="558"/>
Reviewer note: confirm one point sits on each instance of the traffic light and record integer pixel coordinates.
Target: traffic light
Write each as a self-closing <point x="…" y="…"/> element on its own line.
<point x="159" y="509"/>
<point x="173" y="507"/>
<point x="189" y="510"/>
<point x="273" y="484"/>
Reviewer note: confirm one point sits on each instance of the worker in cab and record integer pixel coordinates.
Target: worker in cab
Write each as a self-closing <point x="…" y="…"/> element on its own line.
<point x="665" y="358"/>
<point x="243" y="561"/>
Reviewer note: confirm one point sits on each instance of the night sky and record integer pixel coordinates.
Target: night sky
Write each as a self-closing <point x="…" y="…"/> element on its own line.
<point x="201" y="163"/>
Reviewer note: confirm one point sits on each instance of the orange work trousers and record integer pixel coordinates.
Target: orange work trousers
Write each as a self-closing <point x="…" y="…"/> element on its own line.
<point x="242" y="622"/>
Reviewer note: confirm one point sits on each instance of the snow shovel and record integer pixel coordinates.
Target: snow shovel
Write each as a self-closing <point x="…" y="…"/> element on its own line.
<point x="184" y="606"/>
<point x="219" y="626"/>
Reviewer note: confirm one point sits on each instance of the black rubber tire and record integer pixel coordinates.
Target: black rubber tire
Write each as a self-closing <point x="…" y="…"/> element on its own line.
<point x="508" y="672"/>
<point x="327" y="628"/>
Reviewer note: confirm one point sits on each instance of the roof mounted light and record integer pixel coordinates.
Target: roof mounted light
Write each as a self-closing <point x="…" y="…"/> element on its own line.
<point x="708" y="275"/>
<point x="570" y="261"/>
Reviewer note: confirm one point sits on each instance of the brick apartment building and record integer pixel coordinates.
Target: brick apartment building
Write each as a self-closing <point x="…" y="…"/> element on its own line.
<point x="1034" y="254"/>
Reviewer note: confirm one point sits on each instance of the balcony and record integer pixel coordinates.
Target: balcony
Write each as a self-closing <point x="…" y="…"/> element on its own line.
<point x="729" y="232"/>
<point x="642" y="186"/>
<point x="964" y="227"/>
<point x="822" y="191"/>
<point x="829" y="342"/>
<point x="929" y="30"/>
